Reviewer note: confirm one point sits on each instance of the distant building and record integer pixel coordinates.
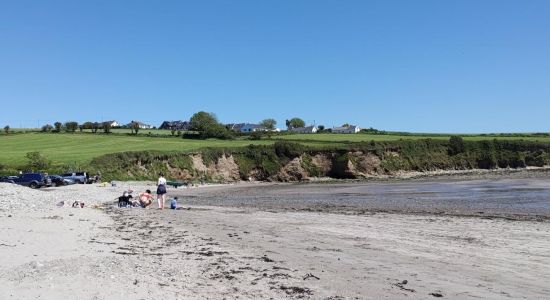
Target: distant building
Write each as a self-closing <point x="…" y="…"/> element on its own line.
<point x="235" y="126"/>
<point x="308" y="129"/>
<point x="252" y="128"/>
<point x="346" y="129"/>
<point x="141" y="125"/>
<point x="112" y="123"/>
<point x="175" y="125"/>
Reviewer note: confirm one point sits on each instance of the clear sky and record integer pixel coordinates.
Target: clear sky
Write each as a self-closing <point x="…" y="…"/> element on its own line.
<point x="423" y="66"/>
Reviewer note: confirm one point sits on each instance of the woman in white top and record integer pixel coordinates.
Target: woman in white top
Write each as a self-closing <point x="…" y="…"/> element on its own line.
<point x="161" y="190"/>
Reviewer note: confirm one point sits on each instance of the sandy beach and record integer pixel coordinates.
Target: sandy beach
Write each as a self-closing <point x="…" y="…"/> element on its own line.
<point x="234" y="249"/>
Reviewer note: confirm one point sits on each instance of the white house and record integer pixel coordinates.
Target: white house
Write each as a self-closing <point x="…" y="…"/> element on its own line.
<point x="112" y="123"/>
<point x="308" y="129"/>
<point x="141" y="125"/>
<point x="346" y="129"/>
<point x="252" y="128"/>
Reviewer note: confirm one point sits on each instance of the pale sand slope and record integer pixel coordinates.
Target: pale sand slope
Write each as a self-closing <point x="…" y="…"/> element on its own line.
<point x="212" y="252"/>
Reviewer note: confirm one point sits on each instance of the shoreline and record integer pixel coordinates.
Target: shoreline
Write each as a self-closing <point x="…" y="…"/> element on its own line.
<point x="440" y="174"/>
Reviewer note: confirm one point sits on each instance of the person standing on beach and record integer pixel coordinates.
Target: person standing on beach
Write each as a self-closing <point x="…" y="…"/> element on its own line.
<point x="161" y="190"/>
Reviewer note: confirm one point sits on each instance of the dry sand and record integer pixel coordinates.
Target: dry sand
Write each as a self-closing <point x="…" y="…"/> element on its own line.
<point x="49" y="252"/>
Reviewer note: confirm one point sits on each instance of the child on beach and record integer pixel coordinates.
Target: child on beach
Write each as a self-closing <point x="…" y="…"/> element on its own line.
<point x="145" y="199"/>
<point x="174" y="203"/>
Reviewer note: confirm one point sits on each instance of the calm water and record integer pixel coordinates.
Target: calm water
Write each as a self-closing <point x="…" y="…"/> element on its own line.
<point x="500" y="196"/>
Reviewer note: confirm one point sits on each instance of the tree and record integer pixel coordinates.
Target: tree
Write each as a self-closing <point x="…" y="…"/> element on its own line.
<point x="173" y="131"/>
<point x="71" y="126"/>
<point x="95" y="127"/>
<point x="296" y="123"/>
<point x="207" y="125"/>
<point x="134" y="126"/>
<point x="345" y="125"/>
<point x="57" y="126"/>
<point x="320" y="128"/>
<point x="106" y="127"/>
<point x="269" y="124"/>
<point x="81" y="127"/>
<point x="7" y="129"/>
<point x="37" y="161"/>
<point x="47" y="128"/>
<point x="88" y="125"/>
<point x="202" y="120"/>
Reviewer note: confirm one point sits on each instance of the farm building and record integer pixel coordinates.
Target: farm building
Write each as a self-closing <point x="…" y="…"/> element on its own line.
<point x="308" y="129"/>
<point x="346" y="129"/>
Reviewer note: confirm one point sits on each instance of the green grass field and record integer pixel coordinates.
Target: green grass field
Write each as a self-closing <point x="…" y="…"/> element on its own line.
<point x="143" y="131"/>
<point x="354" y="138"/>
<point x="82" y="148"/>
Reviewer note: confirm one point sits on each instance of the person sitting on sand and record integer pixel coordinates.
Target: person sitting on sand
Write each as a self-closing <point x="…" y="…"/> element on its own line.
<point x="125" y="200"/>
<point x="145" y="199"/>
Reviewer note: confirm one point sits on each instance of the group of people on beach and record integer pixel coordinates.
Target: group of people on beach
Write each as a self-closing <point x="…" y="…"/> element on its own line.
<point x="145" y="199"/>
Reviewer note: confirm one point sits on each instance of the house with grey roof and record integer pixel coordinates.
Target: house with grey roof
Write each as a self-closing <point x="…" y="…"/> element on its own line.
<point x="346" y="129"/>
<point x="308" y="129"/>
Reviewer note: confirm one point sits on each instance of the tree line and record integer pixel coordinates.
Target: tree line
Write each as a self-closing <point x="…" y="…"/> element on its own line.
<point x="73" y="126"/>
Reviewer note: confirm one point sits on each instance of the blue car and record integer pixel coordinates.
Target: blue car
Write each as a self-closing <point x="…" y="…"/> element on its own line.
<point x="32" y="180"/>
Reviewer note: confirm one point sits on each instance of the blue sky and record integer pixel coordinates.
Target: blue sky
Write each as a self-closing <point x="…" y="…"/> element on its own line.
<point x="422" y="66"/>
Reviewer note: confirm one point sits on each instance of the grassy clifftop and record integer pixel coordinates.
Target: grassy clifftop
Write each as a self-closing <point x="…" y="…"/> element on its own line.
<point x="81" y="148"/>
<point x="139" y="157"/>
<point x="289" y="161"/>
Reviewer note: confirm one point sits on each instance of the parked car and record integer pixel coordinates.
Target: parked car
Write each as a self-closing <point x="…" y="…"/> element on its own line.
<point x="8" y="179"/>
<point x="59" y="181"/>
<point x="77" y="177"/>
<point x="32" y="180"/>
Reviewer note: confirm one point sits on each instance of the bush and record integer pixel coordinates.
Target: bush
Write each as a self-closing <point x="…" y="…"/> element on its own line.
<point x="456" y="145"/>
<point x="37" y="162"/>
<point x="47" y="128"/>
<point x="535" y="159"/>
<point x="71" y="126"/>
<point x="57" y="126"/>
<point x="288" y="149"/>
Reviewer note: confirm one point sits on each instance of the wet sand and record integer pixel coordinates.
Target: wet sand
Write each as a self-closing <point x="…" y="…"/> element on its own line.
<point x="519" y="198"/>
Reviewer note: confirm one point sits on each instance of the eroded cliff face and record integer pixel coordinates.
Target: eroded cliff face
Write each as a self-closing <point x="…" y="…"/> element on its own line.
<point x="288" y="161"/>
<point x="224" y="169"/>
<point x="350" y="165"/>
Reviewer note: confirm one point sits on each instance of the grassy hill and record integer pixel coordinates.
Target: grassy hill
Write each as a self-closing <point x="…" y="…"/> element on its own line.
<point x="354" y="138"/>
<point x="81" y="148"/>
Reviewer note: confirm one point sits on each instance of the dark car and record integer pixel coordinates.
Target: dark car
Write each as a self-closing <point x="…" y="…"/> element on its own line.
<point x="59" y="181"/>
<point x="8" y="179"/>
<point x="32" y="180"/>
